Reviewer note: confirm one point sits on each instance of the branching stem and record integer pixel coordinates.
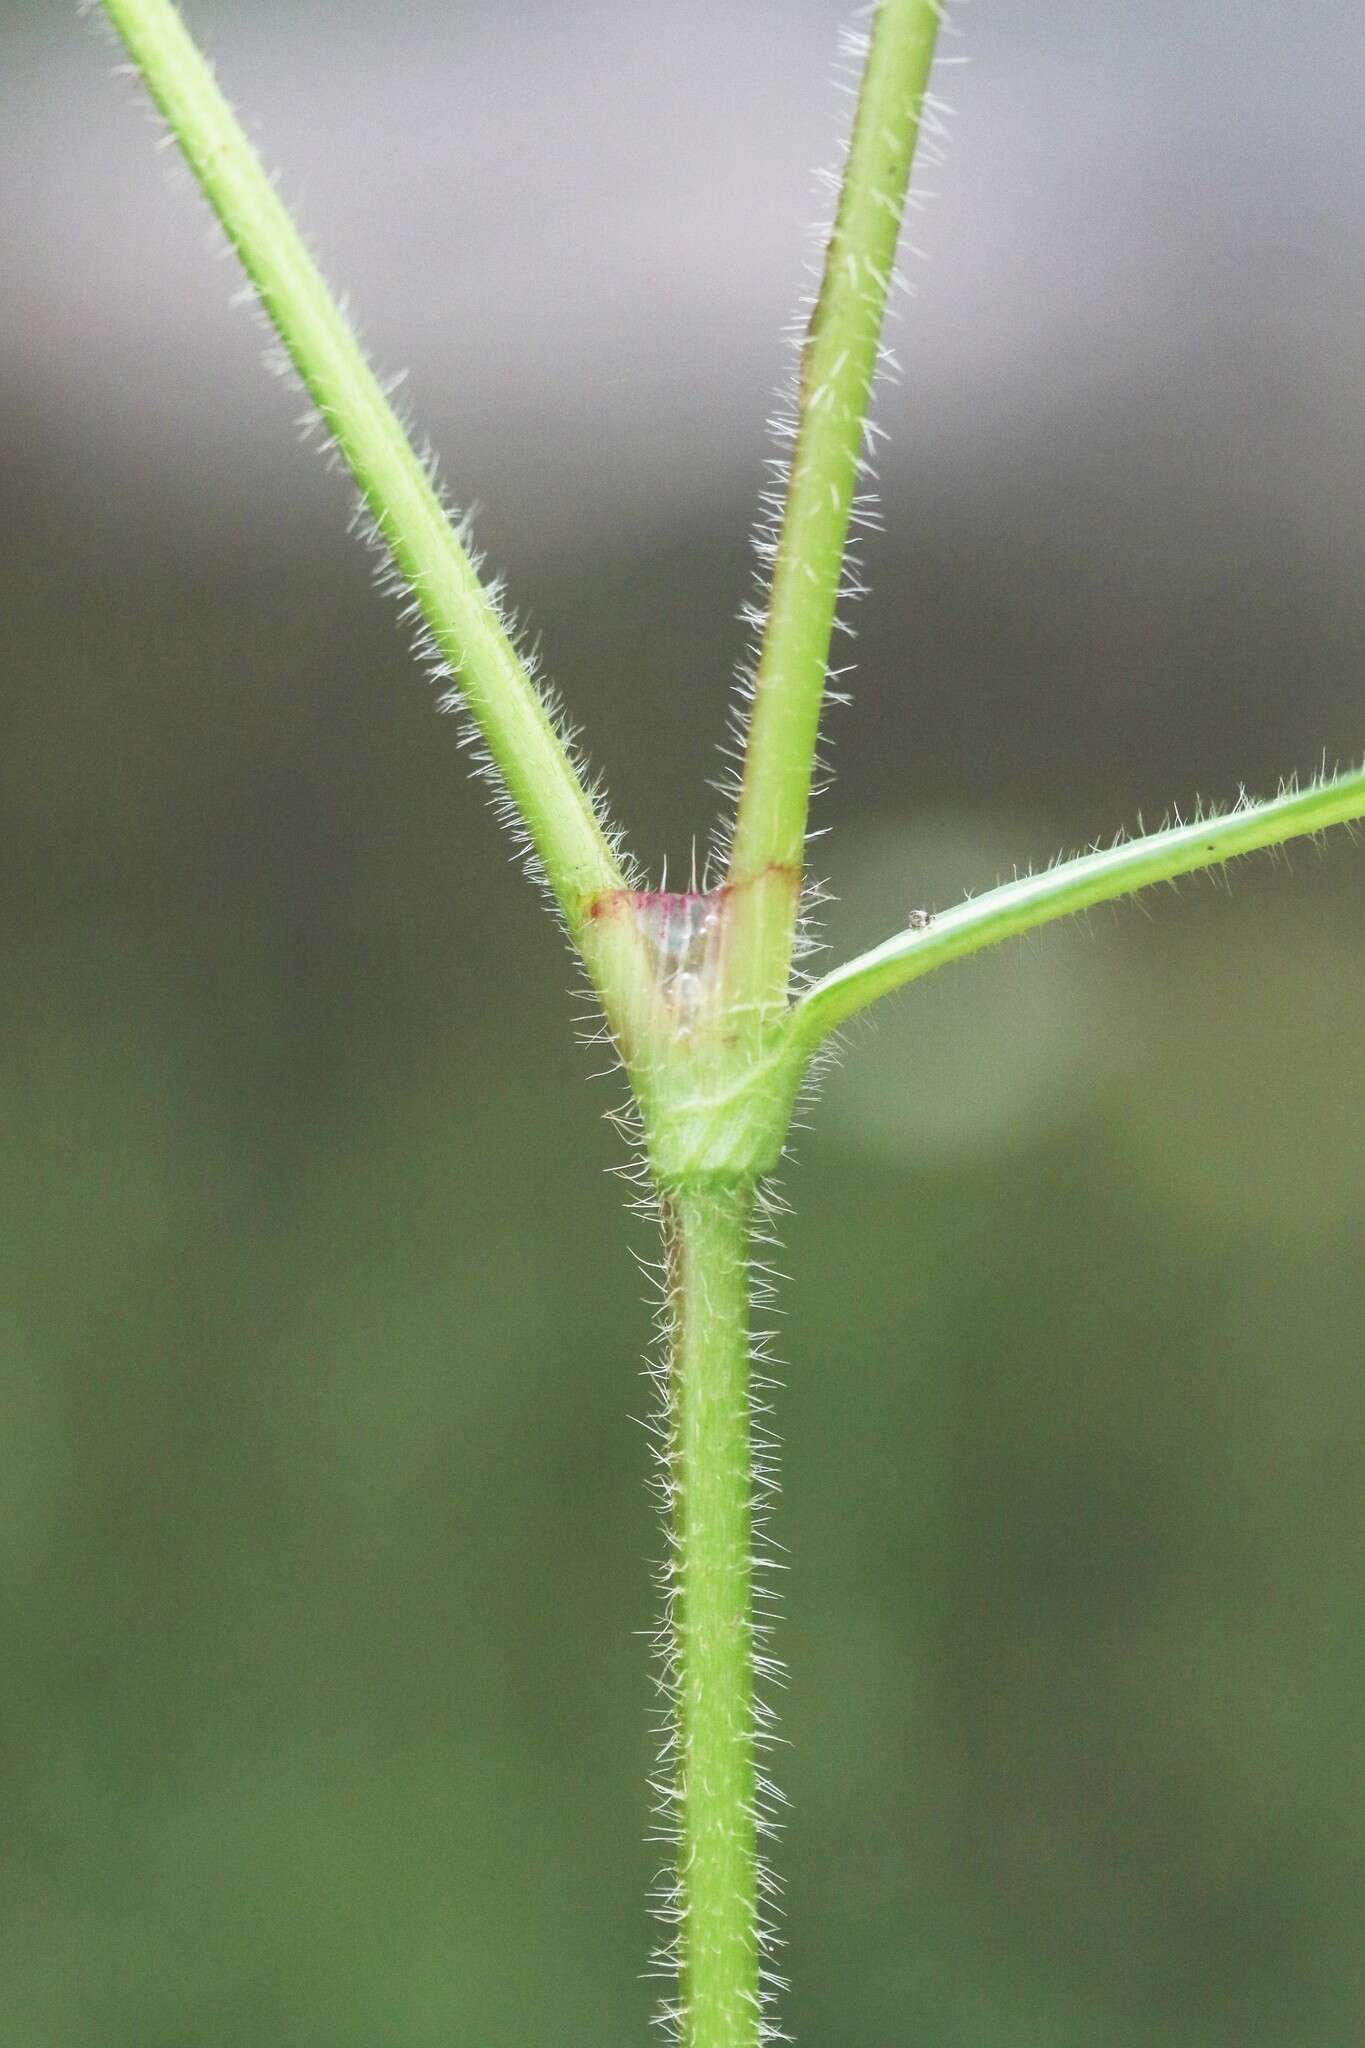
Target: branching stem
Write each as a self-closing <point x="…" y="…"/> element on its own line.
<point x="463" y="620"/>
<point x="696" y="985"/>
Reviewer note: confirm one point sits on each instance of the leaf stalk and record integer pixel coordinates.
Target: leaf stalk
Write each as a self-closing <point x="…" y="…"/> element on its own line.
<point x="1074" y="885"/>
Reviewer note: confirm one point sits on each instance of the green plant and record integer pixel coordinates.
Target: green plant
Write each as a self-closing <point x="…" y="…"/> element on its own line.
<point x="715" y="1030"/>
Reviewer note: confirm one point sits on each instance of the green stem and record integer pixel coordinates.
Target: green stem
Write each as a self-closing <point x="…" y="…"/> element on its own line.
<point x="838" y="363"/>
<point x="462" y="618"/>
<point x="1072" y="885"/>
<point x="706" y="1234"/>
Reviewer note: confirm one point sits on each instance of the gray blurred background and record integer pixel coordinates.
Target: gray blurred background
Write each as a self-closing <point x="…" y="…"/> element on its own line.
<point x="324" y="1542"/>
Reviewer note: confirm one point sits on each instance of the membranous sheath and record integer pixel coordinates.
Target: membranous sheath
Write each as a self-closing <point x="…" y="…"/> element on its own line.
<point x="715" y="1097"/>
<point x="675" y="991"/>
<point x="683" y="930"/>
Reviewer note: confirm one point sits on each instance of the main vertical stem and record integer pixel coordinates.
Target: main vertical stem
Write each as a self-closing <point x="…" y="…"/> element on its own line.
<point x="706" y="1235"/>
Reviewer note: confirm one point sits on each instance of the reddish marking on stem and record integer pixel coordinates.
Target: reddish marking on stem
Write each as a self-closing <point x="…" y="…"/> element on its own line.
<point x="670" y="904"/>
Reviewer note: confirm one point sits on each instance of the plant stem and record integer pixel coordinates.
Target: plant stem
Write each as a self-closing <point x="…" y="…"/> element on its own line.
<point x="1071" y="886"/>
<point x="838" y="363"/>
<point x="711" y="1616"/>
<point x="462" y="618"/>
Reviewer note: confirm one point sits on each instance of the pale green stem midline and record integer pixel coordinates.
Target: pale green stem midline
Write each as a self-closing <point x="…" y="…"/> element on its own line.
<point x="1072" y="885"/>
<point x="463" y="620"/>
<point x="838" y="363"/>
<point x="706" y="1235"/>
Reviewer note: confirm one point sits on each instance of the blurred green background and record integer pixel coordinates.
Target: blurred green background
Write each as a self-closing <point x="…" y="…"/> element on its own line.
<point x="324" y="1542"/>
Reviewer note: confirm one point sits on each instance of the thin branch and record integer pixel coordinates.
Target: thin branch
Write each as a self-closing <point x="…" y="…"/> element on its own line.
<point x="838" y="363"/>
<point x="1073" y="885"/>
<point x="463" y="620"/>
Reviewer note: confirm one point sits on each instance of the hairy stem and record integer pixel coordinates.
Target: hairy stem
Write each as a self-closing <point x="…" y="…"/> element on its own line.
<point x="1072" y="885"/>
<point x="462" y="618"/>
<point x="838" y="363"/>
<point x="712" y="1648"/>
